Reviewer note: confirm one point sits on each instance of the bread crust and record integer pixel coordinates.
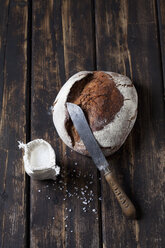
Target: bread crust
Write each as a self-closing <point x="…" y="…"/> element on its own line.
<point x="109" y="136"/>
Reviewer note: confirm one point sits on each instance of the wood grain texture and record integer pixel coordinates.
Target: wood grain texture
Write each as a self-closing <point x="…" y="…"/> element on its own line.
<point x="59" y="49"/>
<point x="13" y="76"/>
<point x="127" y="42"/>
<point x="47" y="210"/>
<point x="161" y="28"/>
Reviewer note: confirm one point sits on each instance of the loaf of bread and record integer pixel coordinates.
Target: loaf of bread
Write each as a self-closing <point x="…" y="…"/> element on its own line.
<point x="109" y="101"/>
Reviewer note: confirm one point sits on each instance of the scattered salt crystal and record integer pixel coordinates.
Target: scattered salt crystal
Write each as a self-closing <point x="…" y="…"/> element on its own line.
<point x="100" y="198"/>
<point x="84" y="202"/>
<point x="71" y="231"/>
<point x="84" y="209"/>
<point x="66" y="217"/>
<point x="48" y="197"/>
<point x="50" y="110"/>
<point x="66" y="225"/>
<point x="39" y="190"/>
<point x="70" y="210"/>
<point x="90" y="182"/>
<point x="75" y="163"/>
<point x="53" y="217"/>
<point x="86" y="186"/>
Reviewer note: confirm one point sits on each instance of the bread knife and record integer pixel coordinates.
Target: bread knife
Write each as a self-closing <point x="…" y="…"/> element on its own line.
<point x="79" y="120"/>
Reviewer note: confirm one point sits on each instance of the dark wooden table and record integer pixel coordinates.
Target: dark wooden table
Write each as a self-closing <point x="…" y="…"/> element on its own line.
<point x="43" y="43"/>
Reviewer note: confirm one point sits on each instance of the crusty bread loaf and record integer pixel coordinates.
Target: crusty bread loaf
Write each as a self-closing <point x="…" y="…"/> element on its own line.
<point x="109" y="101"/>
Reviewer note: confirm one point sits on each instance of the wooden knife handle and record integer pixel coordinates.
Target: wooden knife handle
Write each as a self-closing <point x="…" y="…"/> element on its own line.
<point x="125" y="203"/>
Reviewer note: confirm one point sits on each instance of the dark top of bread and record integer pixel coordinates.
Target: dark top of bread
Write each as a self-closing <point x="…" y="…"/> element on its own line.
<point x="98" y="97"/>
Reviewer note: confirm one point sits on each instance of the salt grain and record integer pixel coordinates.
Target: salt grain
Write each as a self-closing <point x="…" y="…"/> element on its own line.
<point x="84" y="209"/>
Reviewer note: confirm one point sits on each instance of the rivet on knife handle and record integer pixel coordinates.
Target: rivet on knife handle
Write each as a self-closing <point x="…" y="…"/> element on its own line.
<point x="125" y="203"/>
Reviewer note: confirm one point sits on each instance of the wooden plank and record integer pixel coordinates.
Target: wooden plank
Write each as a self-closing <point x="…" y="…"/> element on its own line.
<point x="161" y="24"/>
<point x="62" y="45"/>
<point x="13" y="76"/>
<point x="127" y="42"/>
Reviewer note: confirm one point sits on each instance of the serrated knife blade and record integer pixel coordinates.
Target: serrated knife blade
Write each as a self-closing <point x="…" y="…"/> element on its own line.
<point x="85" y="133"/>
